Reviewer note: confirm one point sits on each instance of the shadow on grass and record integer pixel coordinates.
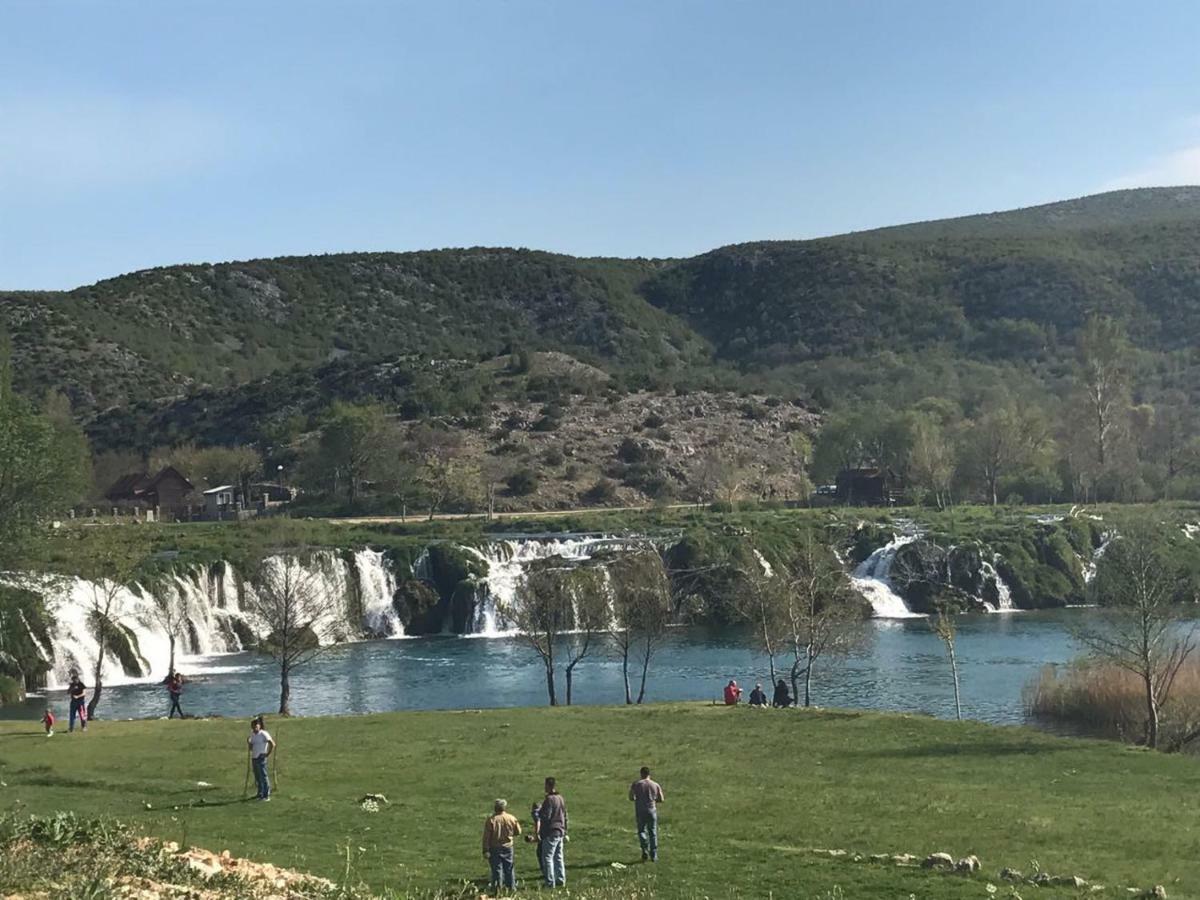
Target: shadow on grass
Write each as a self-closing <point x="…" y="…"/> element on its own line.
<point x="989" y="748"/>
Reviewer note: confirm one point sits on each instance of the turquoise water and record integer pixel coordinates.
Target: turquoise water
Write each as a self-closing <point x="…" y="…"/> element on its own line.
<point x="902" y="667"/>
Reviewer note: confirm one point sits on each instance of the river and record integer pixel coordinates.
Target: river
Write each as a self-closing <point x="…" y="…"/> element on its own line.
<point x="903" y="667"/>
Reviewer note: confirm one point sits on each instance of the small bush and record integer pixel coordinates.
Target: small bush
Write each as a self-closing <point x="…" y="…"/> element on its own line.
<point x="522" y="482"/>
<point x="553" y="457"/>
<point x="603" y="491"/>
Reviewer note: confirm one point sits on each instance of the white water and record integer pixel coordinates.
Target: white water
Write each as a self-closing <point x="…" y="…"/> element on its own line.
<point x="1003" y="592"/>
<point x="870" y="578"/>
<point x="507" y="562"/>
<point x="210" y="604"/>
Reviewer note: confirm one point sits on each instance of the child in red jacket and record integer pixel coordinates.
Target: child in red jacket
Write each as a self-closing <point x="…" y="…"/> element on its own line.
<point x="48" y="721"/>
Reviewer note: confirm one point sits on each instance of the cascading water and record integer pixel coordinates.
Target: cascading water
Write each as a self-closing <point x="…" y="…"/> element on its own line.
<point x="507" y="562"/>
<point x="1004" y="601"/>
<point x="870" y="578"/>
<point x="209" y="603"/>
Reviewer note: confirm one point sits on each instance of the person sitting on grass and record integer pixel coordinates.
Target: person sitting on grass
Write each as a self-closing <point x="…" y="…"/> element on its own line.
<point x="77" y="694"/>
<point x="175" y="690"/>
<point x="261" y="746"/>
<point x="499" y="829"/>
<point x="48" y="721"/>
<point x="758" y="697"/>
<point x="782" y="699"/>
<point x="733" y="693"/>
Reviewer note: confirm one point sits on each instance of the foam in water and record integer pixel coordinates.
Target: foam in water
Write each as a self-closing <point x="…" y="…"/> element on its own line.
<point x="1003" y="592"/>
<point x="870" y="578"/>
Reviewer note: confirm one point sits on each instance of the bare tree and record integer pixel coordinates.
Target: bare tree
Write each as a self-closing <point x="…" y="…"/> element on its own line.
<point x="822" y="615"/>
<point x="1142" y="627"/>
<point x="942" y="624"/>
<point x="762" y="605"/>
<point x="641" y="594"/>
<point x="586" y="587"/>
<point x="541" y="612"/>
<point x="169" y="611"/>
<point x="1103" y="377"/>
<point x="287" y="594"/>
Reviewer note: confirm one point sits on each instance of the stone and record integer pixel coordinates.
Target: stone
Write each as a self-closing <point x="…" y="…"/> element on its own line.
<point x="938" y="861"/>
<point x="903" y="859"/>
<point x="1007" y="874"/>
<point x="1158" y="891"/>
<point x="967" y="864"/>
<point x="1069" y="881"/>
<point x="879" y="857"/>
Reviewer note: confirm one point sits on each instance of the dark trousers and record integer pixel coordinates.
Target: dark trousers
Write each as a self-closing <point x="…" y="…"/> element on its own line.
<point x="501" y="861"/>
<point x="175" y="707"/>
<point x="77" y="709"/>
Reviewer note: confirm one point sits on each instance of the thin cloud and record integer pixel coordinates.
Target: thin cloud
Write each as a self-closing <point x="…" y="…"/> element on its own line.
<point x="1180" y="167"/>
<point x="72" y="141"/>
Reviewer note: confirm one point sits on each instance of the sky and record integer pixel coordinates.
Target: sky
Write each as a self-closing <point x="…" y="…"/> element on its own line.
<point x="139" y="134"/>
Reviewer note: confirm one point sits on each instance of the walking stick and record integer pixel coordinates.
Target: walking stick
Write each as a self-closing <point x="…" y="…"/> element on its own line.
<point x="246" y="783"/>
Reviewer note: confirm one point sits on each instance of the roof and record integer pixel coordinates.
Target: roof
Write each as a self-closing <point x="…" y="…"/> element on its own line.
<point x="219" y="490"/>
<point x="167" y="472"/>
<point x="137" y="484"/>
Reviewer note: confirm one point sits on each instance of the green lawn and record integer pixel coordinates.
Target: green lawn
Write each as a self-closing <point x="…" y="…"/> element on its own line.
<point x="748" y="794"/>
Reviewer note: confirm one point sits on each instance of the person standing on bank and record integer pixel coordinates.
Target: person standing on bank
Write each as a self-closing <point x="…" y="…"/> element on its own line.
<point x="261" y="746"/>
<point x="499" y="829"/>
<point x="78" y="695"/>
<point x="552" y="833"/>
<point x="646" y="795"/>
<point x="175" y="690"/>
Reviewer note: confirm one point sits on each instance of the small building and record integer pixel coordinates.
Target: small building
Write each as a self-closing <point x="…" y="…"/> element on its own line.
<point x="874" y="486"/>
<point x="221" y="502"/>
<point x="168" y="494"/>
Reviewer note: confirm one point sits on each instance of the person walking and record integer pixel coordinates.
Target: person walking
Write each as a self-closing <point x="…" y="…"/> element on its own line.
<point x="261" y="746"/>
<point x="499" y="829"/>
<point x="646" y="794"/>
<point x="78" y="696"/>
<point x="48" y="722"/>
<point x="175" y="690"/>
<point x="552" y="832"/>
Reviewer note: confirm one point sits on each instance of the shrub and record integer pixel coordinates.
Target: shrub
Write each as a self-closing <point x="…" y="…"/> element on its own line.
<point x="553" y="457"/>
<point x="522" y="482"/>
<point x="603" y="491"/>
<point x="654" y="420"/>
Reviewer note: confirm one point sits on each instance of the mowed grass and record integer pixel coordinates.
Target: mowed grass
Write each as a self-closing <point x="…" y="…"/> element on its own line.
<point x="748" y="793"/>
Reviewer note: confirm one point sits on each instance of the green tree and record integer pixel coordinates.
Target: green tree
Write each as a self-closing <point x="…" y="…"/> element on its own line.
<point x="352" y="441"/>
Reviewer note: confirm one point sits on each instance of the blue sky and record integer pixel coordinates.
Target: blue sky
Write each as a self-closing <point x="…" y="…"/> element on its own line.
<point x="135" y="134"/>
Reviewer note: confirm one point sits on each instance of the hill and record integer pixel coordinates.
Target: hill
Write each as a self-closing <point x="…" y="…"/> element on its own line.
<point x="755" y="801"/>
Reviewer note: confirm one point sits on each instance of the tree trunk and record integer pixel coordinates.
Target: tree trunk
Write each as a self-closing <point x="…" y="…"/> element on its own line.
<point x="171" y="664"/>
<point x="645" y="669"/>
<point x="570" y="677"/>
<point x="550" y="683"/>
<point x="794" y="674"/>
<point x="1151" y="715"/>
<point x="625" y="675"/>
<point x="98" y="685"/>
<point x="285" y="692"/>
<point x="954" y="672"/>
<point x="808" y="686"/>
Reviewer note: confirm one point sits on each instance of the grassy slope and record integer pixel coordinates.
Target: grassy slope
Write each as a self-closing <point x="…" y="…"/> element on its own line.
<point x="746" y="793"/>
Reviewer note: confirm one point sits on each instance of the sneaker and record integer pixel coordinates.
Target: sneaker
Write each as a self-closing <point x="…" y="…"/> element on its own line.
<point x="645" y="856"/>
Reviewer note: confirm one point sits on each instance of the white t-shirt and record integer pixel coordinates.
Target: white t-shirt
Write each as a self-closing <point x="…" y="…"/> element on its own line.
<point x="258" y="742"/>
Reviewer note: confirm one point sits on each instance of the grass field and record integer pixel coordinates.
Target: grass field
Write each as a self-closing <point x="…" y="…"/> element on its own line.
<point x="748" y="795"/>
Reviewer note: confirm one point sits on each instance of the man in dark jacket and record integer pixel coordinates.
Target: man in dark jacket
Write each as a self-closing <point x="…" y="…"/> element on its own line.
<point x="552" y="833"/>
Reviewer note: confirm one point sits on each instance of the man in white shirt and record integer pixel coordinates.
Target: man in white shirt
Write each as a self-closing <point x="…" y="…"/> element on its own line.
<point x="261" y="747"/>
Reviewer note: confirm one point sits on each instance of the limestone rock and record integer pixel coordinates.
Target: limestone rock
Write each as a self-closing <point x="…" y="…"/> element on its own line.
<point x="903" y="859"/>
<point x="1007" y="874"/>
<point x="938" y="861"/>
<point x="967" y="864"/>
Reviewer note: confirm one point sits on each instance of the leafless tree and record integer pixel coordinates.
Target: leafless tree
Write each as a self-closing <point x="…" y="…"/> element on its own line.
<point x="763" y="606"/>
<point x="1142" y="629"/>
<point x="942" y="624"/>
<point x="1103" y="377"/>
<point x="822" y="616"/>
<point x="641" y="595"/>
<point x="541" y="612"/>
<point x="288" y="595"/>
<point x="169" y="610"/>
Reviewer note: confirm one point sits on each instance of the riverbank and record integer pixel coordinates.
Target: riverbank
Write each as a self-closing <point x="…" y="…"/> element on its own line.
<point x="750" y="795"/>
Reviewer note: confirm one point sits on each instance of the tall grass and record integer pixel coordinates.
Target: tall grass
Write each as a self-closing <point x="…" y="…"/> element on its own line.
<point x="1101" y="699"/>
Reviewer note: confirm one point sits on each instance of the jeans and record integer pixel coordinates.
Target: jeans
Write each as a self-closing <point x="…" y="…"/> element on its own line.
<point x="175" y="707"/>
<point x="647" y="826"/>
<point x="554" y="867"/>
<point x="260" y="777"/>
<point x="77" y="709"/>
<point x="501" y="861"/>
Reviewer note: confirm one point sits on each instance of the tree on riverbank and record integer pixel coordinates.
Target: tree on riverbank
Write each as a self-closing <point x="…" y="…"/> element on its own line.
<point x="287" y="594"/>
<point x="942" y="624"/>
<point x="641" y="594"/>
<point x="1142" y="628"/>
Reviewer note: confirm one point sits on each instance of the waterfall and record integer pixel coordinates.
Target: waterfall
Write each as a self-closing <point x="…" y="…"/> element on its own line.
<point x="870" y="578"/>
<point x="1091" y="566"/>
<point x="1003" y="592"/>
<point x="356" y="591"/>
<point x="507" y="562"/>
